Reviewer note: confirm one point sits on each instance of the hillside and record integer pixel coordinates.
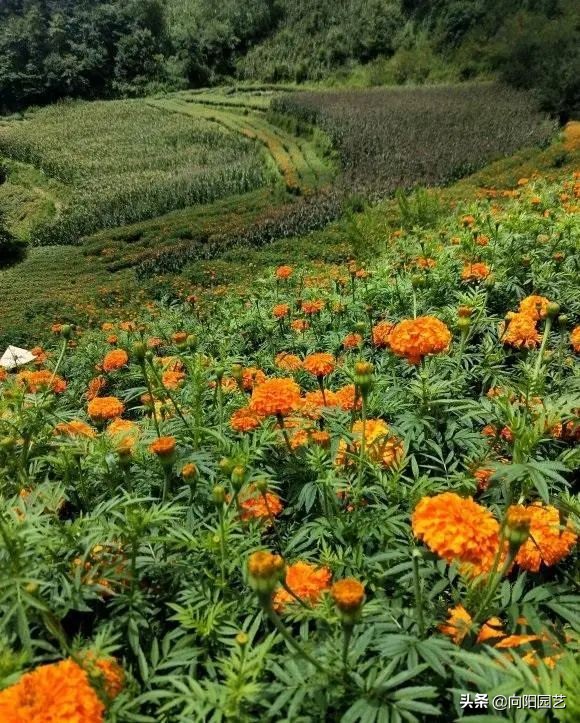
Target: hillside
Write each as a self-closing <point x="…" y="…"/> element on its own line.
<point x="109" y="48"/>
<point x="336" y="489"/>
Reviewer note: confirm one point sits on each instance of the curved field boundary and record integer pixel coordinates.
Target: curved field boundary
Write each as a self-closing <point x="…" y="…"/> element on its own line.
<point x="297" y="161"/>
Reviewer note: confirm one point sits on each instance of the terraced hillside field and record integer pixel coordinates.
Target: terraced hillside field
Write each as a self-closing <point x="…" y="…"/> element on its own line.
<point x="113" y="163"/>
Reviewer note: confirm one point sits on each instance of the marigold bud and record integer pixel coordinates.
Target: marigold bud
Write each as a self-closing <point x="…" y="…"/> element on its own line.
<point x="238" y="476"/>
<point x="139" y="351"/>
<point x="563" y="321"/>
<point x="360" y="327"/>
<point x="237" y="371"/>
<point x="348" y="596"/>
<point x="66" y="331"/>
<point x="226" y="465"/>
<point x="553" y="309"/>
<point x="363" y="376"/>
<point x="517" y="529"/>
<point x="218" y="494"/>
<point x="265" y="571"/>
<point x="191" y="341"/>
<point x="242" y="639"/>
<point x="189" y="471"/>
<point x="463" y="324"/>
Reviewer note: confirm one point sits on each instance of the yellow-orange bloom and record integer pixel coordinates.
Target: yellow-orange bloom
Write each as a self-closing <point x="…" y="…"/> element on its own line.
<point x="163" y="446"/>
<point x="280" y="311"/>
<point x="352" y="341"/>
<point x="257" y="506"/>
<point x="284" y="272"/>
<point x="379" y="446"/>
<point x="415" y="338"/>
<point x="95" y="387"/>
<point x="313" y="307"/>
<point x="320" y="364"/>
<point x="346" y="398"/>
<point x="278" y="397"/>
<point x="115" y="360"/>
<point x="245" y="420"/>
<point x="75" y="428"/>
<point x="288" y="362"/>
<point x="172" y="379"/>
<point x="348" y="594"/>
<point x="549" y="541"/>
<point x="536" y="307"/>
<point x="522" y="332"/>
<point x="264" y="565"/>
<point x="251" y="377"/>
<point x="41" y="380"/>
<point x="101" y="409"/>
<point x="56" y="692"/>
<point x="306" y="581"/>
<point x="299" y="325"/>
<point x="381" y="332"/>
<point x="575" y="338"/>
<point x="458" y="624"/>
<point x="124" y="433"/>
<point x="458" y="529"/>
<point x="475" y="272"/>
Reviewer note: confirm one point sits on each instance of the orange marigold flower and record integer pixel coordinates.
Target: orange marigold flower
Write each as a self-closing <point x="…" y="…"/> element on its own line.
<point x="352" y="341"/>
<point x="264" y="565"/>
<point x="257" y="506"/>
<point x="475" y="272"/>
<point x="458" y="625"/>
<point x="549" y="542"/>
<point x="348" y="594"/>
<point x="482" y="240"/>
<point x="163" y="446"/>
<point x="41" y="380"/>
<point x="3" y="374"/>
<point x="281" y="310"/>
<point x="172" y="379"/>
<point x="313" y="307"/>
<point x="320" y="365"/>
<point x="346" y="398"/>
<point x="115" y="360"/>
<point x="288" y="362"/>
<point x="575" y="339"/>
<point x="278" y="397"/>
<point x="124" y="433"/>
<point x="107" y="326"/>
<point x="415" y="338"/>
<point x="521" y="332"/>
<point x="379" y="446"/>
<point x="95" y="387"/>
<point x="75" y="428"/>
<point x="306" y="581"/>
<point x="40" y="356"/>
<point x="536" y="307"/>
<point x="245" y="420"/>
<point x="284" y="272"/>
<point x="423" y="262"/>
<point x="101" y="409"/>
<point x="154" y="342"/>
<point x="251" y="377"/>
<point x="299" y="325"/>
<point x="468" y="220"/>
<point x="179" y="337"/>
<point x="482" y="475"/>
<point x="381" y="332"/>
<point x="314" y="402"/>
<point x="189" y="471"/>
<point x="112" y="339"/>
<point x="56" y="692"/>
<point x="128" y="326"/>
<point x="491" y="630"/>
<point x="457" y="529"/>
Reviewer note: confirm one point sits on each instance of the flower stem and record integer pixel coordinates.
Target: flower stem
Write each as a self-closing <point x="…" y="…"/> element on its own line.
<point x="277" y="623"/>
<point x="418" y="593"/>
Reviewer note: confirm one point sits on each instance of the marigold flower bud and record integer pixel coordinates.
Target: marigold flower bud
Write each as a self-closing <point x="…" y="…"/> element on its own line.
<point x="237" y="371"/>
<point x="242" y="639"/>
<point x="66" y="331"/>
<point x="139" y="351"/>
<point x="238" y="476"/>
<point x="226" y="465"/>
<point x="517" y="528"/>
<point x="219" y="494"/>
<point x="562" y="320"/>
<point x="360" y="327"/>
<point x="191" y="341"/>
<point x="265" y="571"/>
<point x="553" y="309"/>
<point x="463" y="323"/>
<point x="348" y="596"/>
<point x="189" y="471"/>
<point x="363" y="376"/>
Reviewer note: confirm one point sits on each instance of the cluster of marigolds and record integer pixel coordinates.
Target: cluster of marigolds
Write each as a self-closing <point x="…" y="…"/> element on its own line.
<point x="457" y="529"/>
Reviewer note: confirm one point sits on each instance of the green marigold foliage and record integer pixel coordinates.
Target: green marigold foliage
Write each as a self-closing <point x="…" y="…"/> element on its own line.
<point x="134" y="537"/>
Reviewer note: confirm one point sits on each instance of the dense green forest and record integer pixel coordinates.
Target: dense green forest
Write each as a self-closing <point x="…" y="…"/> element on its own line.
<point x="109" y="48"/>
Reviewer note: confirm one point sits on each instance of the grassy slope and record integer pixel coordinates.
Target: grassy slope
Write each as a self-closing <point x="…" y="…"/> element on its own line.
<point x="69" y="281"/>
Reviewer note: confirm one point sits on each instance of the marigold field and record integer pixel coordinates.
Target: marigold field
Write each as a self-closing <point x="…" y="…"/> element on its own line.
<point x="336" y="492"/>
